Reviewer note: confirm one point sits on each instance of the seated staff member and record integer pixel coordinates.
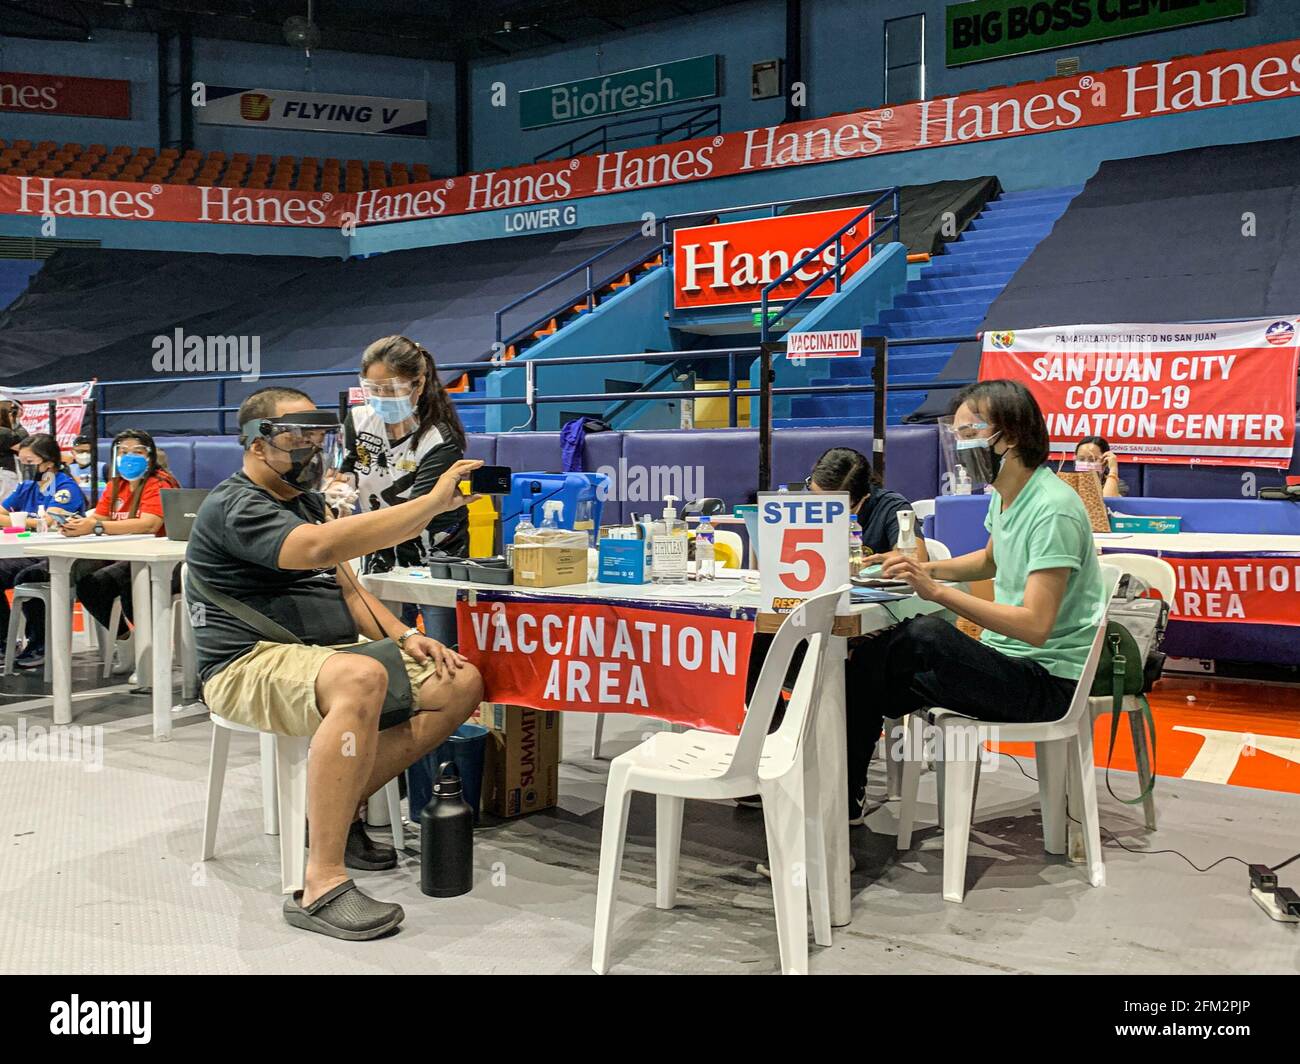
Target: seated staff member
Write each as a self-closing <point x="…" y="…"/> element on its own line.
<point x="1046" y="582"/>
<point x="1093" y="454"/>
<point x="131" y="504"/>
<point x="847" y="470"/>
<point x="45" y="483"/>
<point x="263" y="539"/>
<point x="83" y="462"/>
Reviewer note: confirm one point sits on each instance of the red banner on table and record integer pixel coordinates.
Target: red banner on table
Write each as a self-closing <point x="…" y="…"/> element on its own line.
<point x="1121" y="94"/>
<point x="717" y="265"/>
<point x="1214" y="394"/>
<point x="1262" y="590"/>
<point x="69" y="408"/>
<point x="58" y="94"/>
<point x="681" y="666"/>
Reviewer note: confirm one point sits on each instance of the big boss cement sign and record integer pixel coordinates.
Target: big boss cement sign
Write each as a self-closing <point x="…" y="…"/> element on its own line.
<point x="992" y="29"/>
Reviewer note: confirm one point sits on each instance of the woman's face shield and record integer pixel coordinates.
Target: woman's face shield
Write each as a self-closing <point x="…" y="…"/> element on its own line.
<point x="302" y="448"/>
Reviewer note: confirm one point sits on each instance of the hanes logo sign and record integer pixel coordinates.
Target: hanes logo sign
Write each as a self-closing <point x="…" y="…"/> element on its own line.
<point x="717" y="265"/>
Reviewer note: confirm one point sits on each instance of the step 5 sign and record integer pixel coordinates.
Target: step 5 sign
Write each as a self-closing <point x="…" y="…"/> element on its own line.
<point x="718" y="265"/>
<point x="1220" y="394"/>
<point x="803" y="546"/>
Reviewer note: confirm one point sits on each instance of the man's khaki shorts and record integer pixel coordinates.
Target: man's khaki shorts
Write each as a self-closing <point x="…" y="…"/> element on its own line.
<point x="273" y="687"/>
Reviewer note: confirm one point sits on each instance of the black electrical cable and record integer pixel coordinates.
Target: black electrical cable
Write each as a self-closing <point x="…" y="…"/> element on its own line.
<point x="1113" y="838"/>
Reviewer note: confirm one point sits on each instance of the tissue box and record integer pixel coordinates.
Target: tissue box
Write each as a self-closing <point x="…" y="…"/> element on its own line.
<point x="550" y="566"/>
<point x="622" y="561"/>
<point x="1146" y="524"/>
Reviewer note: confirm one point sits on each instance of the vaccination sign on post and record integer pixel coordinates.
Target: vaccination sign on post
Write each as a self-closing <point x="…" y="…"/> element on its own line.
<point x="803" y="546"/>
<point x="69" y="408"/>
<point x="1210" y="394"/>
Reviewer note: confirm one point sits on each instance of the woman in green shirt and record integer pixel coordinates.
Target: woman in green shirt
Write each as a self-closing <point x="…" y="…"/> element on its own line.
<point x="1046" y="588"/>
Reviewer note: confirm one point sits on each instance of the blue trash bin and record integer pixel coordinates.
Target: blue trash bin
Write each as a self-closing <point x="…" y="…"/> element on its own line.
<point x="467" y="747"/>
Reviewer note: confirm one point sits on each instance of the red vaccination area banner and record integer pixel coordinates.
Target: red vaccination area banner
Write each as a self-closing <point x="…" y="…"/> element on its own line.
<point x="687" y="666"/>
<point x="1251" y="590"/>
<point x="1209" y="394"/>
<point x="1120" y="94"/>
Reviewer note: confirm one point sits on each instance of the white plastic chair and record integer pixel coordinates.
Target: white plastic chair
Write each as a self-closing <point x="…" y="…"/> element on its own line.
<point x="1064" y="760"/>
<point x="23" y="594"/>
<point x="284" y="796"/>
<point x="182" y="641"/>
<point x="1158" y="575"/>
<point x="782" y="767"/>
<point x="938" y="552"/>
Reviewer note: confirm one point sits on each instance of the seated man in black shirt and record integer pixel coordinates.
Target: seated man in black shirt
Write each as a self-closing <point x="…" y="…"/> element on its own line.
<point x="263" y="541"/>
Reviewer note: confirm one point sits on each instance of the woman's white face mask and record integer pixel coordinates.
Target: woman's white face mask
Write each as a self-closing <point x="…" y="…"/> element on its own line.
<point x="394" y="399"/>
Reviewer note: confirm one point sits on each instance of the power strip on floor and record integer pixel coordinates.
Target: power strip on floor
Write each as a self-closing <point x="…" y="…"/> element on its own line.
<point x="1269" y="901"/>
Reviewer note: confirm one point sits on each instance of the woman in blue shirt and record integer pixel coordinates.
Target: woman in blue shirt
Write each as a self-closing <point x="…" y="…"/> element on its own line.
<point x="45" y="483"/>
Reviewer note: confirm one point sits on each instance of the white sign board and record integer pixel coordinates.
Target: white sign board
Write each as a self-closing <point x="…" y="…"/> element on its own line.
<point x="225" y="105"/>
<point x="831" y="343"/>
<point x="803" y="546"/>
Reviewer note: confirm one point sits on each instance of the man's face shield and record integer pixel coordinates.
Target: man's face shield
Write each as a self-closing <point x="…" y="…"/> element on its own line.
<point x="302" y="448"/>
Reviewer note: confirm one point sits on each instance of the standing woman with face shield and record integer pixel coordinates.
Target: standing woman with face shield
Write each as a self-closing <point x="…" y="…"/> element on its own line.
<point x="131" y="504"/>
<point x="396" y="446"/>
<point x="45" y="483"/>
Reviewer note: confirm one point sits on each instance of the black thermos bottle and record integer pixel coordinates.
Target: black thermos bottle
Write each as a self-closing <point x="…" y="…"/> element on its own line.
<point x="447" y="838"/>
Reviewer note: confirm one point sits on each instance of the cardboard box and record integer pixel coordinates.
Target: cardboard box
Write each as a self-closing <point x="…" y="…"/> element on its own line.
<point x="550" y="566"/>
<point x="521" y="770"/>
<point x="622" y="561"/>
<point x="1148" y="524"/>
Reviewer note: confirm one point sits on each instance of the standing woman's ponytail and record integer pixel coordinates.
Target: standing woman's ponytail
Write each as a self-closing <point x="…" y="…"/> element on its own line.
<point x="434" y="408"/>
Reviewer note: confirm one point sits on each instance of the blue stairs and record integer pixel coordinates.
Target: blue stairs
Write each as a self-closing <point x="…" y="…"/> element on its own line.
<point x="949" y="297"/>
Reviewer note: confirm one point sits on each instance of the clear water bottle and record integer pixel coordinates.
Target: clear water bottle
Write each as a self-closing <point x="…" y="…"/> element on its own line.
<point x="525" y="536"/>
<point x="447" y="838"/>
<point x="552" y="512"/>
<point x="705" y="564"/>
<point x="855" y="546"/>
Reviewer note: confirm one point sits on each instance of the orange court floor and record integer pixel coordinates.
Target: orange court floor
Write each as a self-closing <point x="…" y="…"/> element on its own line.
<point x="1232" y="732"/>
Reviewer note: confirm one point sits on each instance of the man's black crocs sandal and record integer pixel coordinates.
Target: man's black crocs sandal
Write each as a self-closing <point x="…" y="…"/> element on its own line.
<point x="363" y="853"/>
<point x="344" y="912"/>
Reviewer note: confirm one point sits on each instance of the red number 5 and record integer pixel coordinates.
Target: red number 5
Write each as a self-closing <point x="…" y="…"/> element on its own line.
<point x="796" y="548"/>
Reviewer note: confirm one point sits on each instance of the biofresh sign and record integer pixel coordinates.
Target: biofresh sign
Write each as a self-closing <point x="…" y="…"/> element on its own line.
<point x="618" y="93"/>
<point x="319" y="111"/>
<point x="1213" y="394"/>
<point x="992" y="29"/>
<point x="56" y="94"/>
<point x="718" y="265"/>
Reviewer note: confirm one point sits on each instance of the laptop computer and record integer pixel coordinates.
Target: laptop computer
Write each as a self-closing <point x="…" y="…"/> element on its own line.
<point x="180" y="507"/>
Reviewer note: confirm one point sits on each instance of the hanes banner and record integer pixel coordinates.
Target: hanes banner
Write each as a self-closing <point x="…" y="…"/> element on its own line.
<point x="1120" y="94"/>
<point x="685" y="667"/>
<point x="1209" y="394"/>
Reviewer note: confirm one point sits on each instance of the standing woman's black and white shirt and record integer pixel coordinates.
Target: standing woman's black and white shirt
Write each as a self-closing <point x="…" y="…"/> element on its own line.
<point x="401" y="441"/>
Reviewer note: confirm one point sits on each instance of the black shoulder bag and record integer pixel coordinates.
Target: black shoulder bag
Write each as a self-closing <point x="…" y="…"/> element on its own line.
<point x="399" y="701"/>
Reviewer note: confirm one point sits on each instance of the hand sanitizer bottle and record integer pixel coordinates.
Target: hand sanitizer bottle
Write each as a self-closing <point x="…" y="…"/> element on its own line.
<point x="669" y="546"/>
<point x="906" y="533"/>
<point x="552" y="512"/>
<point x="705" y="565"/>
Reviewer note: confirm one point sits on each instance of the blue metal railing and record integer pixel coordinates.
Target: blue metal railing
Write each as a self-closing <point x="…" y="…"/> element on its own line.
<point x="835" y="272"/>
<point x="533" y="397"/>
<point x="681" y="124"/>
<point x="664" y="247"/>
